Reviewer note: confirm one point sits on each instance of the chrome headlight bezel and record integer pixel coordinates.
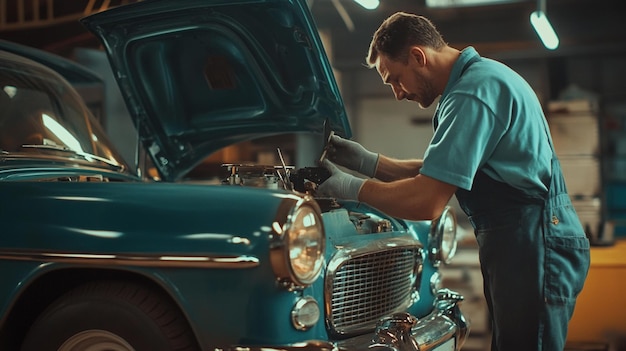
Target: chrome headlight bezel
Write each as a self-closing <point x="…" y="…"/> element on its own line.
<point x="442" y="239"/>
<point x="299" y="240"/>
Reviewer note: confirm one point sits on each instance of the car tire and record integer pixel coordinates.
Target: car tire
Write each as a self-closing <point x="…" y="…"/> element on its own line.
<point x="111" y="315"/>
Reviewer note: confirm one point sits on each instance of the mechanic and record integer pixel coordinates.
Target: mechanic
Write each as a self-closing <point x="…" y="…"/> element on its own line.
<point x="492" y="149"/>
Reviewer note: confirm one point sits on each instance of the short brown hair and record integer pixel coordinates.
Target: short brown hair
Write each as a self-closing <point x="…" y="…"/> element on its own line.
<point x="398" y="32"/>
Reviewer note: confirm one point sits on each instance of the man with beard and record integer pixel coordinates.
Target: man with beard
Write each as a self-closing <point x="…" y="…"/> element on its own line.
<point x="492" y="149"/>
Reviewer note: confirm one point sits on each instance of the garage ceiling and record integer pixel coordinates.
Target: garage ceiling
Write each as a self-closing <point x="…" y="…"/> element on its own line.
<point x="584" y="27"/>
<point x="501" y="30"/>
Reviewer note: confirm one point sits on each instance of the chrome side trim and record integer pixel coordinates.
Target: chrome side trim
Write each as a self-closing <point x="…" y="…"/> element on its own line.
<point x="228" y="262"/>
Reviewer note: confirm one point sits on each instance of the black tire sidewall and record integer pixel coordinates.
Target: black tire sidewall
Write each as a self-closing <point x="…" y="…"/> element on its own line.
<point x="72" y="316"/>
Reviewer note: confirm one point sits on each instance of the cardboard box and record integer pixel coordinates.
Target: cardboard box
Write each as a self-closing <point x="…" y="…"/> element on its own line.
<point x="582" y="175"/>
<point x="575" y="134"/>
<point x="573" y="106"/>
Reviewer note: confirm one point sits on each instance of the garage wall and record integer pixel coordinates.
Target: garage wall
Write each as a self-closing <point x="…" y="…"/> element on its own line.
<point x="399" y="129"/>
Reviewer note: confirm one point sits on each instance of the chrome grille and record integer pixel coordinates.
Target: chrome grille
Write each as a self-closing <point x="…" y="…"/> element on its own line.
<point x="370" y="285"/>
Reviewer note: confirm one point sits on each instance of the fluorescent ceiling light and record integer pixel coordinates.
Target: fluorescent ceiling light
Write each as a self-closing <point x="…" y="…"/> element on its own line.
<point x="463" y="3"/>
<point x="544" y="30"/>
<point x="368" y="4"/>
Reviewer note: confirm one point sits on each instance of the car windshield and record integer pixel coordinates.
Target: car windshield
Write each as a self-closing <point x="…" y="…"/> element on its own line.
<point x="41" y="114"/>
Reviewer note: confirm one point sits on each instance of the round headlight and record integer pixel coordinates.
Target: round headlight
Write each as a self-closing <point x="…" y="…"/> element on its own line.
<point x="442" y="240"/>
<point x="297" y="248"/>
<point x="305" y="245"/>
<point x="448" y="242"/>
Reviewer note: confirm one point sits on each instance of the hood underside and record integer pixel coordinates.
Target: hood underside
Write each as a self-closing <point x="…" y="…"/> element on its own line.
<point x="198" y="75"/>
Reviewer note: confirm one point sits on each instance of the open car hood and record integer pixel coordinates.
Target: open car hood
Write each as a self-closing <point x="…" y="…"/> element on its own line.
<point x="198" y="75"/>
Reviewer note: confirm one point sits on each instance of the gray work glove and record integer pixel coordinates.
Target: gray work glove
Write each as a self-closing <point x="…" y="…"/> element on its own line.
<point x="352" y="155"/>
<point x="340" y="184"/>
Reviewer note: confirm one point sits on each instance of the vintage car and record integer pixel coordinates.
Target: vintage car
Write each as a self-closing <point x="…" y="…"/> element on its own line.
<point x="98" y="255"/>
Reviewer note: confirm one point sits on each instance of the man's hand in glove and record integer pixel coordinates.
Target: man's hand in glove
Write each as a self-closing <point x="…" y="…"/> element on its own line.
<point x="340" y="184"/>
<point x="352" y="155"/>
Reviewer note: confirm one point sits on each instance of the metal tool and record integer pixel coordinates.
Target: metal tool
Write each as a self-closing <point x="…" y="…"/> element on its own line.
<point x="285" y="179"/>
<point x="326" y="141"/>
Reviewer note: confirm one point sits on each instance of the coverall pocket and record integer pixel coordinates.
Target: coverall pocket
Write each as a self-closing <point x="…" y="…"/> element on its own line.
<point x="566" y="257"/>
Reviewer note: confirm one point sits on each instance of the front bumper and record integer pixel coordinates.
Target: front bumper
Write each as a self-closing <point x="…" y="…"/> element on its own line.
<point x="444" y="329"/>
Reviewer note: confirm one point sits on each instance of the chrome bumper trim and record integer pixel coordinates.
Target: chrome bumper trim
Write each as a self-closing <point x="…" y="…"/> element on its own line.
<point x="400" y="332"/>
<point x="312" y="345"/>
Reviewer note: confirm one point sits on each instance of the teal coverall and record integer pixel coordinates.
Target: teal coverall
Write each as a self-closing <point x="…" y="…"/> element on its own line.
<point x="491" y="140"/>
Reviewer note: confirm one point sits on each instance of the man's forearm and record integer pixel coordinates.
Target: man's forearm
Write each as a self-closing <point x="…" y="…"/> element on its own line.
<point x="416" y="198"/>
<point x="391" y="169"/>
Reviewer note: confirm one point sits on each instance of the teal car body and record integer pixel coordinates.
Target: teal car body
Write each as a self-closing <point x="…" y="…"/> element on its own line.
<point x="96" y="257"/>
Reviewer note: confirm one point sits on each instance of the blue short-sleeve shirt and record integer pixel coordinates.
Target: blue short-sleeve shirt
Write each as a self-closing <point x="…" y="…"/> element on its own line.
<point x="489" y="119"/>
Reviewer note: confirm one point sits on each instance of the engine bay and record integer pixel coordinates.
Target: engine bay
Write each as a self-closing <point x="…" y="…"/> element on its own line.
<point x="304" y="180"/>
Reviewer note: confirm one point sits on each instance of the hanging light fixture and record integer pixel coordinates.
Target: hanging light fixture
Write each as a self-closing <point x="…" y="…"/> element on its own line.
<point x="542" y="26"/>
<point x="368" y="4"/>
